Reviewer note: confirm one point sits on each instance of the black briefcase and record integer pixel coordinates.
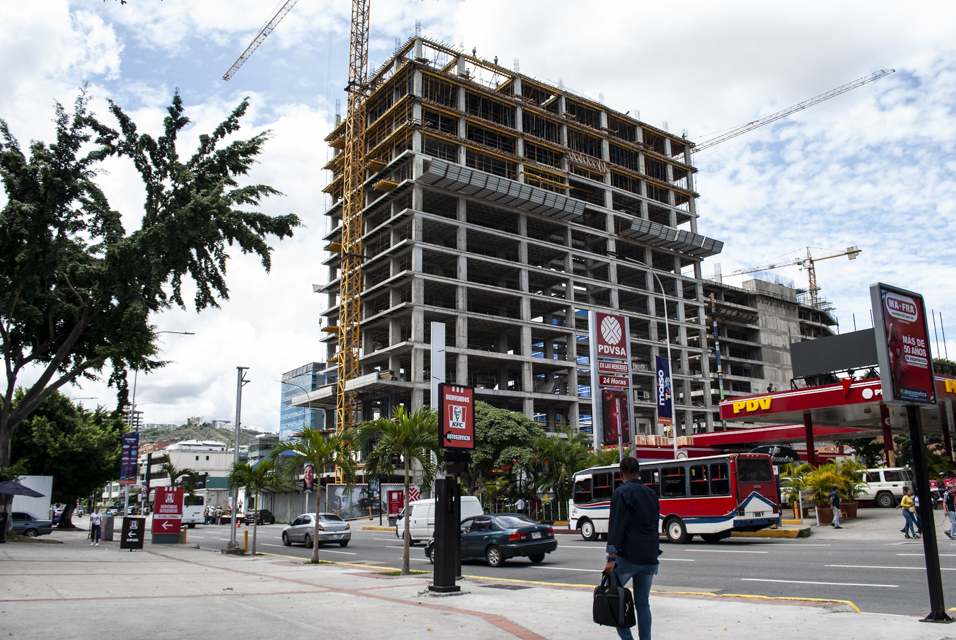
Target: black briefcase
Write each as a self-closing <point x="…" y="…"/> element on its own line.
<point x="613" y="604"/>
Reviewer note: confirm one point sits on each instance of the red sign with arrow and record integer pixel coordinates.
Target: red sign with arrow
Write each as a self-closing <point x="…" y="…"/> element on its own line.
<point x="168" y="510"/>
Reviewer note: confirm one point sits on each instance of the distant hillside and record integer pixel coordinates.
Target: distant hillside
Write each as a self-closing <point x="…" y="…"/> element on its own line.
<point x="193" y="432"/>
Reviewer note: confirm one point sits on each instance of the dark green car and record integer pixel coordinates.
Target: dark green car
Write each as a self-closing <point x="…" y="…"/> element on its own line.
<point x="495" y="538"/>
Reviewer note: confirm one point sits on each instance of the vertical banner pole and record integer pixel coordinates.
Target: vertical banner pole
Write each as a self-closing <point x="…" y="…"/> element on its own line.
<point x="597" y="426"/>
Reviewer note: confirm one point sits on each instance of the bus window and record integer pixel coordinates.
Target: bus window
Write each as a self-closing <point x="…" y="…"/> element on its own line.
<point x="617" y="479"/>
<point x="602" y="486"/>
<point x="582" y="491"/>
<point x="719" y="479"/>
<point x="698" y="480"/>
<point x="750" y="470"/>
<point x="193" y="501"/>
<point x="652" y="480"/>
<point x="674" y="485"/>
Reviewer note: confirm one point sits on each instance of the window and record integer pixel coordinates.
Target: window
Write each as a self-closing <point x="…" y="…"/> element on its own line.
<point x="514" y="522"/>
<point x="197" y="457"/>
<point x="330" y="518"/>
<point x="207" y="457"/>
<point x="652" y="479"/>
<point x="466" y="524"/>
<point x="617" y="479"/>
<point x="754" y="470"/>
<point x="582" y="491"/>
<point x="602" y="486"/>
<point x="674" y="482"/>
<point x="698" y="480"/>
<point x="719" y="479"/>
<point x="892" y="476"/>
<point x="482" y="525"/>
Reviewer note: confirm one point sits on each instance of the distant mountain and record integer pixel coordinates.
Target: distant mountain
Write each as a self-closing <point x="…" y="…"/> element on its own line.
<point x="202" y="432"/>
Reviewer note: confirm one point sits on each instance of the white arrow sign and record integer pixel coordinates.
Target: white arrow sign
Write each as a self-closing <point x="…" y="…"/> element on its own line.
<point x="168" y="524"/>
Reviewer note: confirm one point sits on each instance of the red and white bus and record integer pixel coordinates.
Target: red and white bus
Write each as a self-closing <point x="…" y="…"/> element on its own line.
<point x="710" y="497"/>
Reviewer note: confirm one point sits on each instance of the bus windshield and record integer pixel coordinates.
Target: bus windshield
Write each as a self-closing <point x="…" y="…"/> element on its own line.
<point x="754" y="470"/>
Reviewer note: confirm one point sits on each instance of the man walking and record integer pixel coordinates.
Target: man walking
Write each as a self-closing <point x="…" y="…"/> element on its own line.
<point x="949" y="509"/>
<point x="633" y="541"/>
<point x="835" y="506"/>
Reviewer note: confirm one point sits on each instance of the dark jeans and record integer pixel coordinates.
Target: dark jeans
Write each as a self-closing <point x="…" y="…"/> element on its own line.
<point x="643" y="575"/>
<point x="912" y="526"/>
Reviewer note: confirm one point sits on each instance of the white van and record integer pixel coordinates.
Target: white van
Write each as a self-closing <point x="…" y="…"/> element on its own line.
<point x="885" y="486"/>
<point x="422" y="523"/>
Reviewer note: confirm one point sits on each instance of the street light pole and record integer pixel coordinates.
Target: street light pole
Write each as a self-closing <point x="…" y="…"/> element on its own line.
<point x="667" y="337"/>
<point x="240" y="383"/>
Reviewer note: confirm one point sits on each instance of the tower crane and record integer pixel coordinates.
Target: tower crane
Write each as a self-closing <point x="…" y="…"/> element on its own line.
<point x="750" y="126"/>
<point x="350" y="283"/>
<point x="807" y="263"/>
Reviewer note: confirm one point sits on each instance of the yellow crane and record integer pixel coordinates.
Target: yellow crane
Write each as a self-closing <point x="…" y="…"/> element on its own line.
<point x="807" y="263"/>
<point x="350" y="283"/>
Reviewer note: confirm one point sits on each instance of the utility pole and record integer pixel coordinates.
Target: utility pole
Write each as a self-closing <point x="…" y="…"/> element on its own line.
<point x="233" y="495"/>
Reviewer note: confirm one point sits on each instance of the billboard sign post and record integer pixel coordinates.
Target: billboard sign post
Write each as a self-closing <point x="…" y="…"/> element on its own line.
<point x="907" y="378"/>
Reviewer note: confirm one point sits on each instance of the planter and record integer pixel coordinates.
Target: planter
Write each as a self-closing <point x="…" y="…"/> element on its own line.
<point x="847" y="512"/>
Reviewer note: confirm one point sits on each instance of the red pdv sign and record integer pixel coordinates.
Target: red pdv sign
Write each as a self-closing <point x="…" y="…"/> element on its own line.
<point x="456" y="416"/>
<point x="903" y="347"/>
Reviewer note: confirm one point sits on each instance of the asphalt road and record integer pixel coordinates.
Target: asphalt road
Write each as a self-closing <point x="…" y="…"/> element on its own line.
<point x="882" y="573"/>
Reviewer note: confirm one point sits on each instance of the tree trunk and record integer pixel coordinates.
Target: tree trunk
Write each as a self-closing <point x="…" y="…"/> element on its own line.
<point x="406" y="539"/>
<point x="255" y="525"/>
<point x="66" y="518"/>
<point x="315" y="532"/>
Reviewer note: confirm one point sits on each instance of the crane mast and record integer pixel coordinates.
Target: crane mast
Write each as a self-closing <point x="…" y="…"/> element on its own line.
<point x="350" y="281"/>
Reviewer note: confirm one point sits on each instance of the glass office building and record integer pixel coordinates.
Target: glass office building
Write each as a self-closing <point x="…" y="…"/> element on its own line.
<point x="295" y="383"/>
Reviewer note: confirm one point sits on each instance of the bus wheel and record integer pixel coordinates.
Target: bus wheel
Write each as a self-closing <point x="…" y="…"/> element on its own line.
<point x="587" y="531"/>
<point x="711" y="537"/>
<point x="676" y="531"/>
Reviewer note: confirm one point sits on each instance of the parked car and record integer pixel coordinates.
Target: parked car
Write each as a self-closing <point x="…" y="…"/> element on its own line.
<point x="57" y="512"/>
<point x="264" y="516"/>
<point x="885" y="486"/>
<point x="26" y="524"/>
<point x="495" y="538"/>
<point x="422" y="523"/>
<point x="331" y="529"/>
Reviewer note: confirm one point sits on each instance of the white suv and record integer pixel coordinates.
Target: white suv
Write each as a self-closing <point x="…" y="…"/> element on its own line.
<point x="885" y="486"/>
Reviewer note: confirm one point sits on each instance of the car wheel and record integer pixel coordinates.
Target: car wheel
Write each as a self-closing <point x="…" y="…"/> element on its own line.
<point x="588" y="532"/>
<point x="308" y="541"/>
<point x="886" y="500"/>
<point x="272" y="520"/>
<point x="536" y="558"/>
<point x="431" y="555"/>
<point x="31" y="533"/>
<point x="676" y="531"/>
<point x="344" y="543"/>
<point x="494" y="557"/>
<point x="285" y="539"/>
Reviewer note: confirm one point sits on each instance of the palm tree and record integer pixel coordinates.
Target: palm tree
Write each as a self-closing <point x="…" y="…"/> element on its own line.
<point x="413" y="437"/>
<point x="255" y="480"/>
<point x="563" y="456"/>
<point x="315" y="448"/>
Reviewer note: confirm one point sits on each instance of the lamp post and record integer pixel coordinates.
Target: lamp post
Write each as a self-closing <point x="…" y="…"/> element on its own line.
<point x="667" y="337"/>
<point x="240" y="383"/>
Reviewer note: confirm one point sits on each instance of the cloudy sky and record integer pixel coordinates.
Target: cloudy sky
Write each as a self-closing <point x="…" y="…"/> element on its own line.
<point x="872" y="168"/>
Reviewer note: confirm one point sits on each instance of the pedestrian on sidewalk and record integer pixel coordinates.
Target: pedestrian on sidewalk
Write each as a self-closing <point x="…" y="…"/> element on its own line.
<point x="908" y="505"/>
<point x="633" y="542"/>
<point x="96" y="520"/>
<point x="835" y="506"/>
<point x="949" y="509"/>
<point x="519" y="505"/>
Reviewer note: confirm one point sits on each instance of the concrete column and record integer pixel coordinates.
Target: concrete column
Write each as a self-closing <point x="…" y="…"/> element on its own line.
<point x="808" y="429"/>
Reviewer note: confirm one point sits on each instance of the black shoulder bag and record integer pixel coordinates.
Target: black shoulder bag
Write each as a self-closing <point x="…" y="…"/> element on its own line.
<point x="613" y="604"/>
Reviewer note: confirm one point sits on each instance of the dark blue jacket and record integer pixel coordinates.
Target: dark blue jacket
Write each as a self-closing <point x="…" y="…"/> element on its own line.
<point x="632" y="531"/>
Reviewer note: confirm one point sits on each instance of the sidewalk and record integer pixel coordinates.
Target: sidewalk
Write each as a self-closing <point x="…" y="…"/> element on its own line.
<point x="180" y="592"/>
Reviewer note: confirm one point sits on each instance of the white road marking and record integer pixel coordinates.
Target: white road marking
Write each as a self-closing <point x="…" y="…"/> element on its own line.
<point x="722" y="551"/>
<point x="281" y="546"/>
<point x="677" y="560"/>
<point x="348" y="553"/>
<point x="863" y="566"/>
<point x="568" y="569"/>
<point x="833" y="584"/>
<point x="920" y="555"/>
<point x="386" y="539"/>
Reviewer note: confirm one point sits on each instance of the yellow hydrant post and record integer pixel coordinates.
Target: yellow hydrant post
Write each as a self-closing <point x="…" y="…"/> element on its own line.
<point x="245" y="542"/>
<point x="184" y="535"/>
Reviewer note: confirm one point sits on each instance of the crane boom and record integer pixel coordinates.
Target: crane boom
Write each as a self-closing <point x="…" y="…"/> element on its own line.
<point x="807" y="263"/>
<point x="266" y="30"/>
<point x="750" y="126"/>
<point x="350" y="283"/>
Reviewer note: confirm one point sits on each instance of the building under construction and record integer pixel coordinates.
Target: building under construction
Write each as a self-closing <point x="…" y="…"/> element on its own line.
<point x="507" y="208"/>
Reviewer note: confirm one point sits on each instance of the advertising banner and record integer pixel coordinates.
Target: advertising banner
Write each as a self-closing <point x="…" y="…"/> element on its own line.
<point x="353" y="501"/>
<point x="664" y="392"/>
<point x="456" y="416"/>
<point x="308" y="478"/>
<point x="396" y="502"/>
<point x="129" y="457"/>
<point x="903" y="347"/>
<point x="614" y="404"/>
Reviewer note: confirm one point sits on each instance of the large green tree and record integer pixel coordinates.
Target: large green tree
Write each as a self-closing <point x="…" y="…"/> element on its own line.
<point x="502" y="438"/>
<point x="77" y="289"/>
<point x="410" y="437"/>
<point x="78" y="447"/>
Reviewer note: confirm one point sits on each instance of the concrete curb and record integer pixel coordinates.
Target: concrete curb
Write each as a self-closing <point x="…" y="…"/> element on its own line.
<point x="802" y="532"/>
<point x="373" y="528"/>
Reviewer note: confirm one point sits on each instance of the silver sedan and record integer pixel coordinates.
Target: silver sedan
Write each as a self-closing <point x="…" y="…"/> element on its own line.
<point x="332" y="529"/>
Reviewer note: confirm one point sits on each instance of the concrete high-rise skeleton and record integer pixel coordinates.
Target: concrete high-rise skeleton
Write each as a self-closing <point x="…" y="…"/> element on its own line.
<point x="506" y="208"/>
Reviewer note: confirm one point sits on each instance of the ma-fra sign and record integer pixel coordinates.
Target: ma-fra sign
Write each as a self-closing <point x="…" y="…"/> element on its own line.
<point x="902" y="345"/>
<point x="456" y="416"/>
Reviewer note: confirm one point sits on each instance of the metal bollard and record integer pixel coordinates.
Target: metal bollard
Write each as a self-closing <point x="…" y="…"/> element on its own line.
<point x="184" y="535"/>
<point x="245" y="541"/>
